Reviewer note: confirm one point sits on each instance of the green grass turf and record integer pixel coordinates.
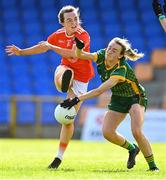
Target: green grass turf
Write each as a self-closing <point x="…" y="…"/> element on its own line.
<point x="29" y="158"/>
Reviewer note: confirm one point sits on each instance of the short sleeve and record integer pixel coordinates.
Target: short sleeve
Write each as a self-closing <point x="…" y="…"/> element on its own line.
<point x="119" y="73"/>
<point x="100" y="56"/>
<point x="52" y="39"/>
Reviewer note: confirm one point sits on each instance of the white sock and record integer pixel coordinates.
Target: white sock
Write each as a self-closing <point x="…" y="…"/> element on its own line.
<point x="60" y="154"/>
<point x="61" y="150"/>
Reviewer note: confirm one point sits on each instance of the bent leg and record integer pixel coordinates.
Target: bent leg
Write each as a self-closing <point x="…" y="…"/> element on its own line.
<point x="112" y="120"/>
<point x="63" y="78"/>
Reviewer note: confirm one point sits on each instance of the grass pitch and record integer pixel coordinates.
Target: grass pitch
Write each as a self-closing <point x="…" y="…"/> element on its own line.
<point x="28" y="159"/>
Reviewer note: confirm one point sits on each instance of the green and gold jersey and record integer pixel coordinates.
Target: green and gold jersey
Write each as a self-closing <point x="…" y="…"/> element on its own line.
<point x="129" y="85"/>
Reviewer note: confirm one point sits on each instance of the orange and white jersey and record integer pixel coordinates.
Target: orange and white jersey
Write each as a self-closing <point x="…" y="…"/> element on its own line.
<point x="83" y="69"/>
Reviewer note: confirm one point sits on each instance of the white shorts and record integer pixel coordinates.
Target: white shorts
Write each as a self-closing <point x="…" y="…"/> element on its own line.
<point x="79" y="87"/>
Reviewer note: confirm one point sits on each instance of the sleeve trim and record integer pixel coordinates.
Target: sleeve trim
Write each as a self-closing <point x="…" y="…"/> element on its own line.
<point x="95" y="56"/>
<point x="118" y="77"/>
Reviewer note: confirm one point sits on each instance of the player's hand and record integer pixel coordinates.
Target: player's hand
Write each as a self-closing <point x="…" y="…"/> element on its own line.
<point x="79" y="44"/>
<point x="164" y="6"/>
<point x="157" y="8"/>
<point x="13" y="50"/>
<point x="69" y="103"/>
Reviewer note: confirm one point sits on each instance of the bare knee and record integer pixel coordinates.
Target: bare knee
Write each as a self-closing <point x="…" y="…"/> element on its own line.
<point x="106" y="134"/>
<point x="109" y="134"/>
<point x="59" y="75"/>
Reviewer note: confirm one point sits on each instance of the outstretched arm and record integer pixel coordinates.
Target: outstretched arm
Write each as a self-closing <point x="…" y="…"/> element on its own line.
<point x="163" y="19"/>
<point x="67" y="53"/>
<point x="163" y="23"/>
<point x="69" y="103"/>
<point x="159" y="11"/>
<point x="14" y="50"/>
<point x="41" y="47"/>
<point x="102" y="88"/>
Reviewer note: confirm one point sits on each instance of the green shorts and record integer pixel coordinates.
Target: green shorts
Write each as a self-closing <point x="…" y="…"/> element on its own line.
<point x="123" y="104"/>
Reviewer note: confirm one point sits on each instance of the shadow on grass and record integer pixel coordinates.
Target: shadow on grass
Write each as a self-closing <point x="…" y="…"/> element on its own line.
<point x="96" y="171"/>
<point x="67" y="170"/>
<point x="110" y="170"/>
<point x="63" y="169"/>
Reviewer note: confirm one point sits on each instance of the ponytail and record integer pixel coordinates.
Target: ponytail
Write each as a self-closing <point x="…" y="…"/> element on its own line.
<point x="127" y="51"/>
<point x="133" y="55"/>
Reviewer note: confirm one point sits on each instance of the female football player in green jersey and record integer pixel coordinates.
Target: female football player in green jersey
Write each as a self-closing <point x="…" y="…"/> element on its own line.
<point x="128" y="96"/>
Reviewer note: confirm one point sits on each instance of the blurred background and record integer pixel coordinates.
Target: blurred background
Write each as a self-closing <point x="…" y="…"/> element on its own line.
<point x="28" y="96"/>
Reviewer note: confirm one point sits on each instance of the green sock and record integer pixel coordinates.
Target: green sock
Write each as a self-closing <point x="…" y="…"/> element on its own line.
<point x="128" y="145"/>
<point x="150" y="161"/>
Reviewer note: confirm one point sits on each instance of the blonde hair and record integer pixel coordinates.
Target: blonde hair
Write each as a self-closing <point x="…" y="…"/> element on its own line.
<point x="127" y="51"/>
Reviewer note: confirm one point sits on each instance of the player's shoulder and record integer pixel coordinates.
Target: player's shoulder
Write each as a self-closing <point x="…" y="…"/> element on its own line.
<point x="81" y="30"/>
<point x="100" y="56"/>
<point x="60" y="31"/>
<point x="57" y="32"/>
<point x="101" y="51"/>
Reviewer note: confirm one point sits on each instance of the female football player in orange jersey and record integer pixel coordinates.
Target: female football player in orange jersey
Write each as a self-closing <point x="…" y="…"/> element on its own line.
<point x="157" y="7"/>
<point x="73" y="74"/>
